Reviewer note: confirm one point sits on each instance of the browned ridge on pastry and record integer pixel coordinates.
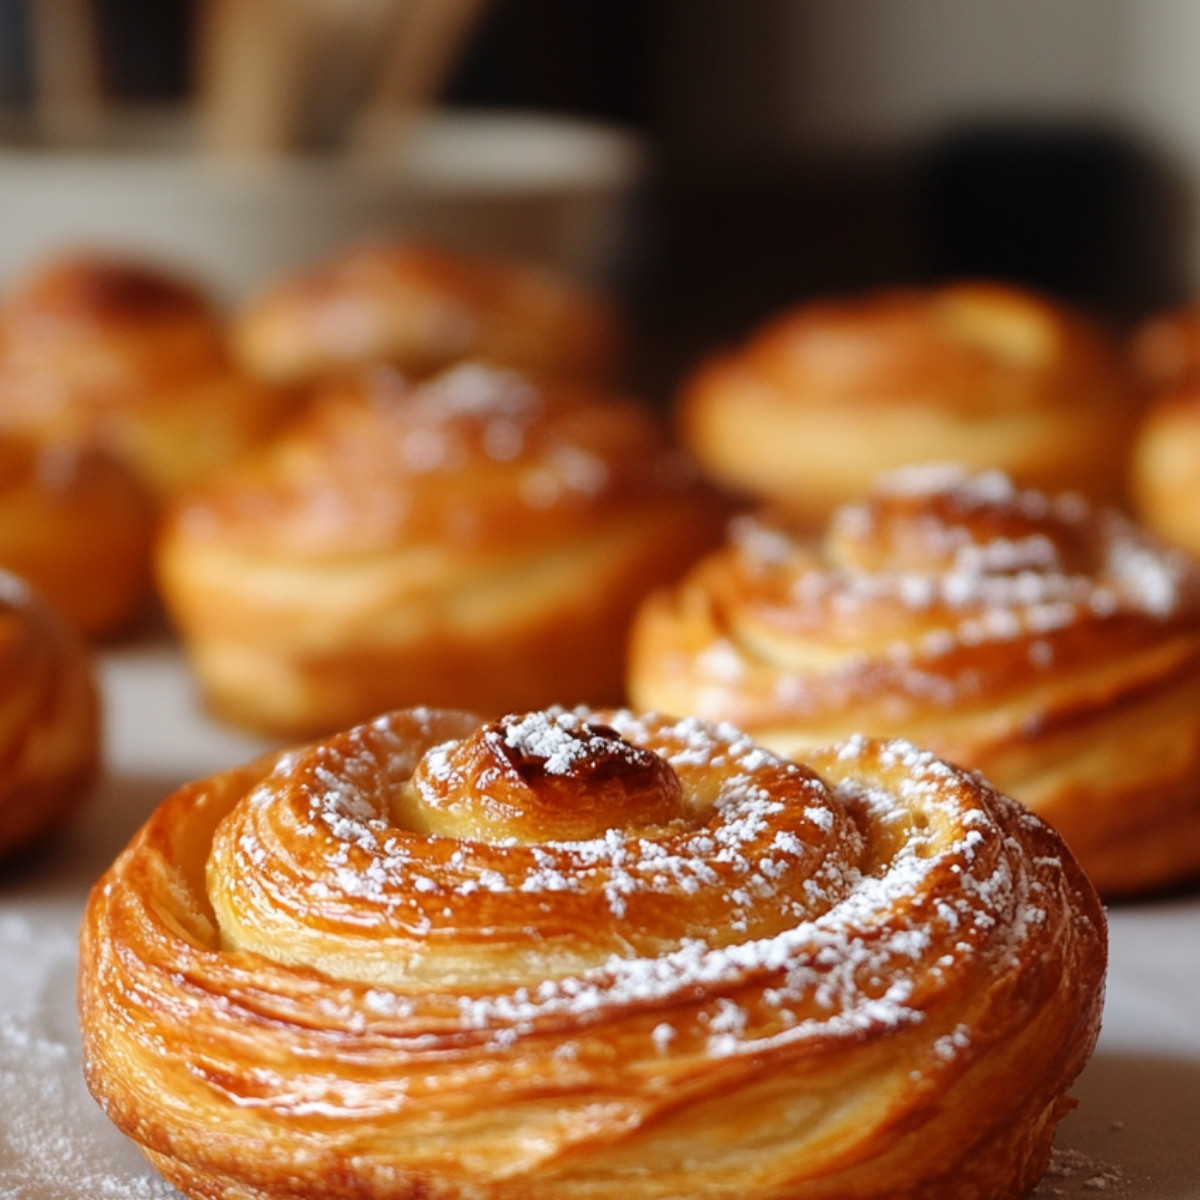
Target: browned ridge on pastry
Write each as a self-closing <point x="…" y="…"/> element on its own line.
<point x="827" y="395"/>
<point x="105" y="350"/>
<point x="482" y="537"/>
<point x="590" y="954"/>
<point x="1052" y="646"/>
<point x="49" y="717"/>
<point x="421" y="308"/>
<point x="78" y="526"/>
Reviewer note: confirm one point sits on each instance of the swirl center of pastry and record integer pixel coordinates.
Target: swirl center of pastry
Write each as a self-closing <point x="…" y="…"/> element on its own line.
<point x="541" y="777"/>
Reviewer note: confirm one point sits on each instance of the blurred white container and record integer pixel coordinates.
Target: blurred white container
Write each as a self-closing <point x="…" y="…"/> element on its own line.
<point x="548" y="189"/>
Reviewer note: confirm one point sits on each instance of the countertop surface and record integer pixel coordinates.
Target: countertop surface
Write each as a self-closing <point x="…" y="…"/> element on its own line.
<point x="1135" y="1133"/>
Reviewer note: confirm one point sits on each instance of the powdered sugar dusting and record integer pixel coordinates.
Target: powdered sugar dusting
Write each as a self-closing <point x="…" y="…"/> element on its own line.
<point x="776" y="910"/>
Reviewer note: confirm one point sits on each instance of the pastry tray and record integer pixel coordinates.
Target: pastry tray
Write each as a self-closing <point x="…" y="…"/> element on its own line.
<point x="1135" y="1133"/>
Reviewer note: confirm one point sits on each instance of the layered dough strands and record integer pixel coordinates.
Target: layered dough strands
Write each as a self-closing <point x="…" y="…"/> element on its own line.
<point x="480" y="539"/>
<point x="49" y="718"/>
<point x="1054" y="647"/>
<point x="590" y="954"/>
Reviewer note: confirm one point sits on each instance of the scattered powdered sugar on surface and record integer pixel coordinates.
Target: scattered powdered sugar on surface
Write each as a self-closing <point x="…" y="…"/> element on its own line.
<point x="1073" y="1173"/>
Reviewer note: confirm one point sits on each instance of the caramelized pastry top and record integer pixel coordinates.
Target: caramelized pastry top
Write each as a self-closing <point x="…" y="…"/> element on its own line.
<point x="534" y="954"/>
<point x="116" y="353"/>
<point x="966" y="347"/>
<point x="475" y="457"/>
<point x="420" y="309"/>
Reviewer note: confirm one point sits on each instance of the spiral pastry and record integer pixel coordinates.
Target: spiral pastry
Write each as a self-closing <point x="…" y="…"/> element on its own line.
<point x="1054" y="647"/>
<point x="482" y="538"/>
<point x="831" y="393"/>
<point x="420" y="309"/>
<point x="590" y="954"/>
<point x="114" y="353"/>
<point x="49" y="717"/>
<point x="77" y="525"/>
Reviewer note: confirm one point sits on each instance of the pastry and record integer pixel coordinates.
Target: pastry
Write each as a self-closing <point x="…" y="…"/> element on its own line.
<point x="1165" y="469"/>
<point x="590" y="954"/>
<point x="49" y="717"/>
<point x="1050" y="645"/>
<point x="481" y="535"/>
<point x="829" y="394"/>
<point x="78" y="526"/>
<point x="114" y="353"/>
<point x="420" y="309"/>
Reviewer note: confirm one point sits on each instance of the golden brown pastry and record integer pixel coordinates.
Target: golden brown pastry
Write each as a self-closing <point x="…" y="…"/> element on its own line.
<point x="579" y="954"/>
<point x="49" y="717"/>
<point x="1054" y="647"/>
<point x="420" y="309"/>
<point x="110" y="352"/>
<point x="1165" y="468"/>
<point x="78" y="526"/>
<point x="823" y="398"/>
<point x="479" y="536"/>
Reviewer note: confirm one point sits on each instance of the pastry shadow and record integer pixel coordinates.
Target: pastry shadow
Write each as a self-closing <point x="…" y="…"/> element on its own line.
<point x="1134" y="1133"/>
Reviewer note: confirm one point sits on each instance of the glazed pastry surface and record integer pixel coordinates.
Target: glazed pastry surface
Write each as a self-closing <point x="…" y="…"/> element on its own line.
<point x="421" y="309"/>
<point x="1052" y="646"/>
<point x="114" y="353"/>
<point x="49" y="718"/>
<point x="826" y="396"/>
<point x="480" y="537"/>
<point x="590" y="954"/>
<point x="78" y="526"/>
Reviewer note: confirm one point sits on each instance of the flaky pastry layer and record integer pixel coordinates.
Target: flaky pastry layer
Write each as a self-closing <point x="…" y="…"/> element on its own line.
<point x="1052" y="646"/>
<point x="828" y="395"/>
<point x="482" y="537"/>
<point x="590" y="954"/>
<point x="49" y="718"/>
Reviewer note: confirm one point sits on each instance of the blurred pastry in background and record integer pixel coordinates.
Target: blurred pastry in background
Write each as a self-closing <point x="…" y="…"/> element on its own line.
<point x="824" y="397"/>
<point x="1164" y="350"/>
<point x="78" y="525"/>
<point x="1164" y="480"/>
<point x="112" y="352"/>
<point x="481" y="539"/>
<point x="1053" y="646"/>
<point x="420" y="309"/>
<point x="49" y="717"/>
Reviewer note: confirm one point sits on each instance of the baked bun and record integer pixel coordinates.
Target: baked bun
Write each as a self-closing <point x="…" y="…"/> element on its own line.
<point x="49" y="717"/>
<point x="78" y="526"/>
<point x="590" y="954"/>
<point x="114" y="353"/>
<point x="1053" y="647"/>
<point x="479" y="536"/>
<point x="825" y="397"/>
<point x="421" y="309"/>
